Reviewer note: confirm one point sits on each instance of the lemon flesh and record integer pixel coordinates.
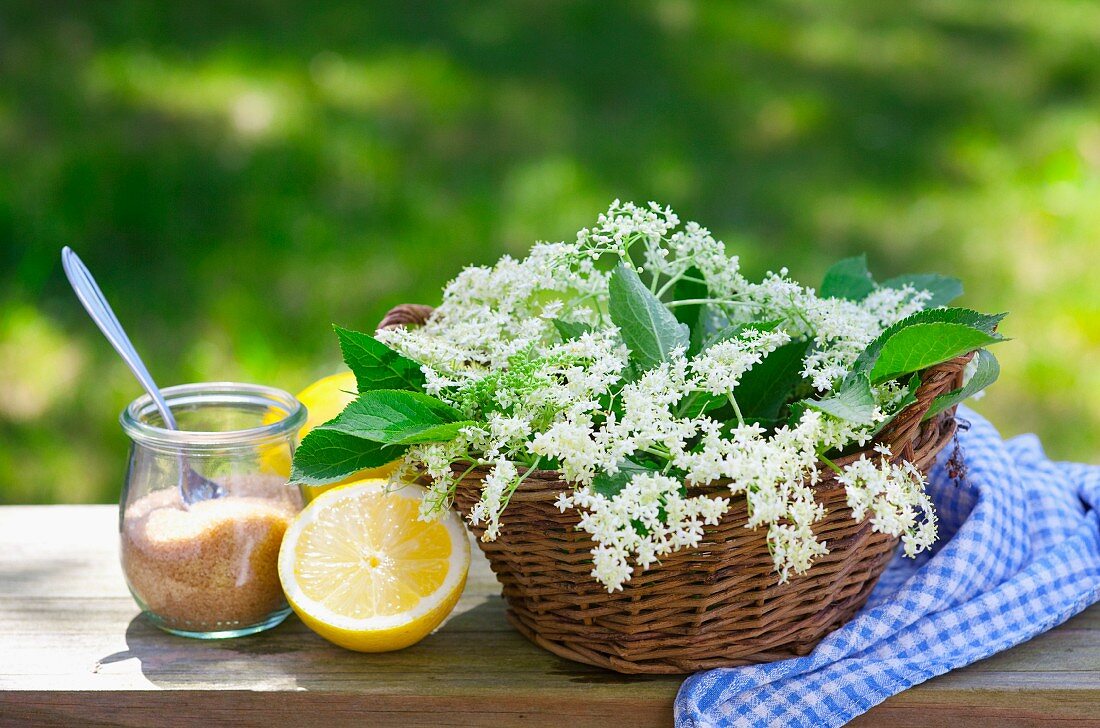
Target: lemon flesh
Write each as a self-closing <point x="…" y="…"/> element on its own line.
<point x="362" y="571"/>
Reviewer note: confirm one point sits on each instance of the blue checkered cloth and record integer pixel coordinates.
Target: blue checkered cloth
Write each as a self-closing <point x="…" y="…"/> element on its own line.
<point x="1019" y="552"/>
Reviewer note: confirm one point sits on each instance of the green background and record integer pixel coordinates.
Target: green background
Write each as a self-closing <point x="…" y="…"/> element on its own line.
<point x="240" y="175"/>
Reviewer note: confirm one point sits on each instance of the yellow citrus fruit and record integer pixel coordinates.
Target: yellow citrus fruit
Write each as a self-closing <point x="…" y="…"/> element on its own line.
<point x="324" y="399"/>
<point x="363" y="571"/>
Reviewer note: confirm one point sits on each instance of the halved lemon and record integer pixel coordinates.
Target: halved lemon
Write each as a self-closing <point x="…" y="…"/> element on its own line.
<point x="362" y="571"/>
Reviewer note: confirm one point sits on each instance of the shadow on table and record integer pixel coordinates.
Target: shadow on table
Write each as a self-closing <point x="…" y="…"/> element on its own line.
<point x="34" y="578"/>
<point x="476" y="648"/>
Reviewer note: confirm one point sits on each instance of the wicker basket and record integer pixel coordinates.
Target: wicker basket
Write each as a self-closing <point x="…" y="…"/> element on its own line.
<point x="716" y="605"/>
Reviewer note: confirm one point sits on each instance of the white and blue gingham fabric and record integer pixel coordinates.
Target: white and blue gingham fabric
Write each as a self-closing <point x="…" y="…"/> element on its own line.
<point x="1019" y="552"/>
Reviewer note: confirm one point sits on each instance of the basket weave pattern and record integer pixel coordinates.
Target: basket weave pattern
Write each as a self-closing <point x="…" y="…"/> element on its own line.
<point x="716" y="605"/>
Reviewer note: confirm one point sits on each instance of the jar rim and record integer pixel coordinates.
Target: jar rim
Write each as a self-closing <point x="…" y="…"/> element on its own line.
<point x="134" y="424"/>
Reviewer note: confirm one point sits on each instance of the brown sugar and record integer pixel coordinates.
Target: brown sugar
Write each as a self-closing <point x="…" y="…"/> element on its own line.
<point x="213" y="567"/>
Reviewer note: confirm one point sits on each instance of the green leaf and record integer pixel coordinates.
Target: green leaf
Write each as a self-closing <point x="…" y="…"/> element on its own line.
<point x="325" y="456"/>
<point x="944" y="289"/>
<point x="648" y="328"/>
<point x="965" y="316"/>
<point x="711" y="322"/>
<point x="848" y="278"/>
<point x="696" y="403"/>
<point x="570" y="330"/>
<point x="987" y="372"/>
<point x="398" y="417"/>
<point x="377" y="366"/>
<point x="764" y="389"/>
<point x="547" y="462"/>
<point x="609" y="485"/>
<point x="854" y="402"/>
<point x="923" y="345"/>
<point x="692" y="316"/>
<point x="726" y="333"/>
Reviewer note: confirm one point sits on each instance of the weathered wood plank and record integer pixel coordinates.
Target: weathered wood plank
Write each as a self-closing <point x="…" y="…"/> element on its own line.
<point x="73" y="650"/>
<point x="235" y="708"/>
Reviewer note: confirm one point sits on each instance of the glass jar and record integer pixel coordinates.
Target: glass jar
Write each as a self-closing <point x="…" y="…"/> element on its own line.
<point x="209" y="569"/>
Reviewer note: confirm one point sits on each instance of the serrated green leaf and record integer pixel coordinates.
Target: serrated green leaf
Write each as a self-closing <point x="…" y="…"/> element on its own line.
<point x="398" y="417"/>
<point x="609" y="485"/>
<point x="569" y="330"/>
<point x="434" y="433"/>
<point x="944" y="289"/>
<point x="377" y="366"/>
<point x="648" y="328"/>
<point x="965" y="316"/>
<point x="988" y="369"/>
<point x="854" y="402"/>
<point x="764" y="389"/>
<point x="848" y="278"/>
<point x="923" y="345"/>
<point x="693" y="316"/>
<point x="325" y="456"/>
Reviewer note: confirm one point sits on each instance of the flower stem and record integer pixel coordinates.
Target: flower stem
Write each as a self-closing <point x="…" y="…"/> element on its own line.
<point x="670" y="283"/>
<point x="515" y="484"/>
<point x="657" y="452"/>
<point x="736" y="410"/>
<point x="832" y="466"/>
<point x="696" y="301"/>
<point x="681" y="276"/>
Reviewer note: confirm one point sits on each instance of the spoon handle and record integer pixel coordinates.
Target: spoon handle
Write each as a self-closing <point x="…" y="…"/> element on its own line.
<point x="96" y="304"/>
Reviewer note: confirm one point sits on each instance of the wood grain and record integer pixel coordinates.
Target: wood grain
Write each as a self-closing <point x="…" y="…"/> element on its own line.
<point x="74" y="651"/>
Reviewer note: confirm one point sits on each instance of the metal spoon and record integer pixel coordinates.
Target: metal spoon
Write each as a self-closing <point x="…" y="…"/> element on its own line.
<point x="193" y="487"/>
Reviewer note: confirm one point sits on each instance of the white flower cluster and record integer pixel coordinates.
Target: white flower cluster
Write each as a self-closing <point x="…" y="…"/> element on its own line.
<point x="490" y="314"/>
<point x="504" y="348"/>
<point x="722" y="365"/>
<point x="650" y="517"/>
<point x="895" y="495"/>
<point x="665" y="252"/>
<point x="839" y="329"/>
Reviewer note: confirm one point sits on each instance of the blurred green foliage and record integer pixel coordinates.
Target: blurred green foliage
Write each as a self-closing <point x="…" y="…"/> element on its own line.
<point x="240" y="175"/>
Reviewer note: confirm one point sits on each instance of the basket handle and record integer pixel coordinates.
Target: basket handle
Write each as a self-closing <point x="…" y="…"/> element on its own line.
<point x="407" y="314"/>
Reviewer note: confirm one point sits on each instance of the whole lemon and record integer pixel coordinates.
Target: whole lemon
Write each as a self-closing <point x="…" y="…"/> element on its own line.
<point x="324" y="399"/>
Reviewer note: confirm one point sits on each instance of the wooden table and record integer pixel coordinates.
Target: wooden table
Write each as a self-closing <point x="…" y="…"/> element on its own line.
<point x="74" y="651"/>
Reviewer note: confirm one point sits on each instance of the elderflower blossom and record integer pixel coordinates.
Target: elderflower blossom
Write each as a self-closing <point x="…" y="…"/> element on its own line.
<point x="840" y="329"/>
<point x="721" y="366"/>
<point x="894" y="493"/>
<point x="527" y="351"/>
<point x="629" y="525"/>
